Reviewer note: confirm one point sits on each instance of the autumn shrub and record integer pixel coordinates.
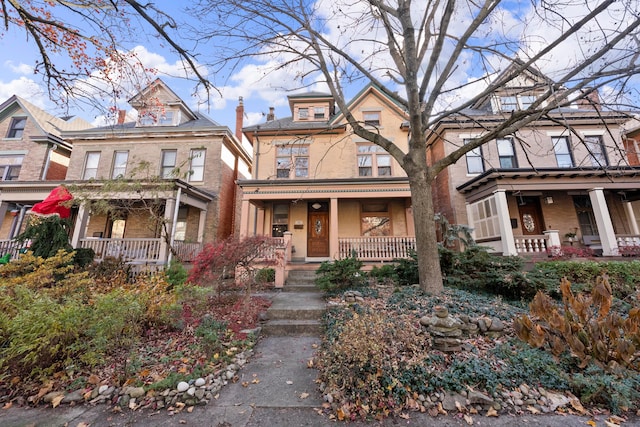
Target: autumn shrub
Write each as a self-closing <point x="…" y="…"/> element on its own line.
<point x="585" y="326"/>
<point x="340" y="274"/>
<point x="110" y="273"/>
<point x="365" y="362"/>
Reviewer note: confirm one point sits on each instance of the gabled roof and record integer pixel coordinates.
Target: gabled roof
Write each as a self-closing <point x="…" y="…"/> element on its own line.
<point x="47" y="123"/>
<point x="370" y="89"/>
<point x="159" y="89"/>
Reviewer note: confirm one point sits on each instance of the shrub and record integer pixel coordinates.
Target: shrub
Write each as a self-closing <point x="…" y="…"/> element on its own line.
<point x="340" y="274"/>
<point x="211" y="333"/>
<point x="83" y="257"/>
<point x="266" y="275"/>
<point x="406" y="269"/>
<point x="595" y="386"/>
<point x="47" y="235"/>
<point x="586" y="327"/>
<point x="110" y="273"/>
<point x="176" y="274"/>
<point x="384" y="274"/>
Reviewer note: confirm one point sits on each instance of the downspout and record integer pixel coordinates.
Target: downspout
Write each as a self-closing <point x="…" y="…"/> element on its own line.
<point x="45" y="170"/>
<point x="255" y="176"/>
<point x="173" y="225"/>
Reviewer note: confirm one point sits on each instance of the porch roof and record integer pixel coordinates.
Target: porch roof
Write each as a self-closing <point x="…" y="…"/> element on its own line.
<point x="550" y="179"/>
<point x="388" y="187"/>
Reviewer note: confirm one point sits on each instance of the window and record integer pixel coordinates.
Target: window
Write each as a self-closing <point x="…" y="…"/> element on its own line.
<point x="371" y="118"/>
<point x="168" y="168"/>
<point x="166" y="119"/>
<point x="508" y="103"/>
<point x="156" y="116"/>
<point x="91" y="165"/>
<point x="303" y="113"/>
<point x="180" y="233"/>
<point x="10" y="167"/>
<point x="484" y="215"/>
<point x="586" y="219"/>
<point x="16" y="129"/>
<point x="373" y="161"/>
<point x="475" y="164"/>
<point x="296" y="156"/>
<point x="280" y="220"/>
<point x="526" y="101"/>
<point x="119" y="164"/>
<point x="375" y="219"/>
<point x="596" y="150"/>
<point x="506" y="153"/>
<point x="563" y="154"/>
<point x="318" y="113"/>
<point x="196" y="171"/>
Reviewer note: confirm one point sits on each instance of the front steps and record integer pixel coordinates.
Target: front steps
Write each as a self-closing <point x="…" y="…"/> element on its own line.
<point x="298" y="309"/>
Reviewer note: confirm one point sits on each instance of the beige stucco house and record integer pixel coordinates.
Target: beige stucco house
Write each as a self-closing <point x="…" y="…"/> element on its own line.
<point x="565" y="179"/>
<point x="323" y="189"/>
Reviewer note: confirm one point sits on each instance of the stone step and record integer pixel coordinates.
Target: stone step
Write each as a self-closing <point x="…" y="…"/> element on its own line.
<point x="300" y="287"/>
<point x="295" y="314"/>
<point x="293" y="327"/>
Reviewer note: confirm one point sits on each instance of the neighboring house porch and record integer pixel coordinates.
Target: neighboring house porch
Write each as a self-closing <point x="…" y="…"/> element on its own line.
<point x="527" y="212"/>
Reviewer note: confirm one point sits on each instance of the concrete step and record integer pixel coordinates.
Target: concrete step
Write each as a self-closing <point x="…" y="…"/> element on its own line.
<point x="293" y="328"/>
<point x="296" y="314"/>
<point x="300" y="287"/>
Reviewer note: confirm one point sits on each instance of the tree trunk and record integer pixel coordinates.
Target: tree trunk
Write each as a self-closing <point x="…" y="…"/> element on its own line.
<point x="426" y="238"/>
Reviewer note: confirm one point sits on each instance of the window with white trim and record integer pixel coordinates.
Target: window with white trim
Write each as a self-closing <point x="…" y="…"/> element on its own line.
<point x="597" y="155"/>
<point x="120" y="159"/>
<point x="168" y="165"/>
<point x="318" y="113"/>
<point x="371" y="118"/>
<point x="196" y="171"/>
<point x="475" y="163"/>
<point x="91" y="161"/>
<point x="562" y="151"/>
<point x="373" y="160"/>
<point x="375" y="219"/>
<point x="10" y="166"/>
<point x="303" y="113"/>
<point x="16" y="128"/>
<point x="292" y="157"/>
<point x="506" y="153"/>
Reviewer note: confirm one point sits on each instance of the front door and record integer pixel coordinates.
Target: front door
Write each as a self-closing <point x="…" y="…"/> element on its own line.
<point x="530" y="216"/>
<point x="318" y="234"/>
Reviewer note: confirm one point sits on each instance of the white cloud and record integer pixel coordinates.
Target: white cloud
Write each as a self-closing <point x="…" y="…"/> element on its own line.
<point x="25" y="88"/>
<point x="20" y="68"/>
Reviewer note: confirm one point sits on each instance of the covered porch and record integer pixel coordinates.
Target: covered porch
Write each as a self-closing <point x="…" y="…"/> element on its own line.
<point x="536" y="212"/>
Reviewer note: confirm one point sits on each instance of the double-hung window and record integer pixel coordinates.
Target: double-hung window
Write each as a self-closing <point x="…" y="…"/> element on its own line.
<point x="119" y="164"/>
<point x="371" y="118"/>
<point x="318" y="113"/>
<point x="303" y="113"/>
<point x="506" y="153"/>
<point x="91" y="161"/>
<point x="475" y="163"/>
<point x="16" y="129"/>
<point x="373" y="160"/>
<point x="168" y="167"/>
<point x="10" y="167"/>
<point x="562" y="151"/>
<point x="196" y="172"/>
<point x="595" y="147"/>
<point x="296" y="157"/>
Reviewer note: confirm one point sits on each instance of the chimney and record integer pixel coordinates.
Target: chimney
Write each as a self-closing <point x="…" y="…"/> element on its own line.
<point x="590" y="99"/>
<point x="239" y="118"/>
<point x="121" y="116"/>
<point x="272" y="115"/>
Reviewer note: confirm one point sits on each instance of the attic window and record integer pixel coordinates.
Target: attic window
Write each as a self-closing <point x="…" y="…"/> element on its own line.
<point x="516" y="102"/>
<point x="156" y="117"/>
<point x="303" y="113"/>
<point x="371" y="118"/>
<point x="318" y="113"/>
<point x="17" y="127"/>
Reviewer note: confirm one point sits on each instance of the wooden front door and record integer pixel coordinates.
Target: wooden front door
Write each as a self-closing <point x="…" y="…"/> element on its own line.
<point x="530" y="216"/>
<point x="318" y="234"/>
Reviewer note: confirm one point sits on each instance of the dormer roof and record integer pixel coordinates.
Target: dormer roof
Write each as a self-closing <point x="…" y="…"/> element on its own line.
<point x="158" y="94"/>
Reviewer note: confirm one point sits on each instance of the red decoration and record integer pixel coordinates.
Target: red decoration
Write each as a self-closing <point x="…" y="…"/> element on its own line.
<point x="54" y="204"/>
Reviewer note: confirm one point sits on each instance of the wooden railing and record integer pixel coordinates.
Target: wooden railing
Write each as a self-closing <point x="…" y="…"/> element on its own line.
<point x="131" y="250"/>
<point x="376" y="248"/>
<point x="531" y="244"/>
<point x="186" y="252"/>
<point x="13" y="247"/>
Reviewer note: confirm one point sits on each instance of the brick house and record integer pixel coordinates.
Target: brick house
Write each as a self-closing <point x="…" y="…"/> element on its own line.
<point x="565" y="179"/>
<point x="323" y="189"/>
<point x="169" y="177"/>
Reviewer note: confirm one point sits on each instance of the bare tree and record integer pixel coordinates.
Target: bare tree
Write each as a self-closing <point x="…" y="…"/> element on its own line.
<point x="81" y="43"/>
<point x="426" y="55"/>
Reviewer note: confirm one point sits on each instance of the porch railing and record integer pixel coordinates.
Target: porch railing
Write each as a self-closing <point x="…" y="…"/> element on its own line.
<point x="531" y="244"/>
<point x="131" y="250"/>
<point x="186" y="252"/>
<point x="11" y="246"/>
<point x="376" y="248"/>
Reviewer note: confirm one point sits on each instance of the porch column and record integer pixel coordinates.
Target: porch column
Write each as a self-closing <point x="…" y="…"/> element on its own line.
<point x="170" y="205"/>
<point x="603" y="221"/>
<point x="4" y="207"/>
<point x="334" y="251"/>
<point x="504" y="223"/>
<point x="244" y="218"/>
<point x="411" y="225"/>
<point x="80" y="226"/>
<point x="201" y="224"/>
<point x="259" y="226"/>
<point x="631" y="218"/>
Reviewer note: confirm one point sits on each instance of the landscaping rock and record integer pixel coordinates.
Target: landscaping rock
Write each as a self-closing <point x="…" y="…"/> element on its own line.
<point x="182" y="386"/>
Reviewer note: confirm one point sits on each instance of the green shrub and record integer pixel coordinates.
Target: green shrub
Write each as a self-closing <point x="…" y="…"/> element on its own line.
<point x="594" y="386"/>
<point x="266" y="275"/>
<point x="406" y="269"/>
<point x="83" y="257"/>
<point x="176" y="274"/>
<point x="340" y="274"/>
<point x="211" y="333"/>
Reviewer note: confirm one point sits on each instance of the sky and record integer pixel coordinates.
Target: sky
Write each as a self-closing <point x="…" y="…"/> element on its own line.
<point x="259" y="90"/>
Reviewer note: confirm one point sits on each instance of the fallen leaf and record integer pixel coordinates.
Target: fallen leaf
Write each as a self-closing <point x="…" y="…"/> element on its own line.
<point x="533" y="410"/>
<point x="340" y="414"/>
<point x="83" y="424"/>
<point x="190" y="409"/>
<point x="7" y="405"/>
<point x="441" y="410"/>
<point x="404" y="416"/>
<point x="310" y="363"/>
<point x="56" y="400"/>
<point x="314" y="345"/>
<point x="591" y="423"/>
<point x="289" y="382"/>
<point x="304" y="395"/>
<point x="182" y="421"/>
<point x="459" y="407"/>
<point x="245" y="383"/>
<point x="94" y="379"/>
<point x="616" y="420"/>
<point x="468" y="419"/>
<point x="608" y="424"/>
<point x="255" y="381"/>
<point x="491" y="413"/>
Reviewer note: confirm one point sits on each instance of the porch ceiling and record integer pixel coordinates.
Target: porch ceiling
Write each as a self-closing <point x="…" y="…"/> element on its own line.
<point x="625" y="178"/>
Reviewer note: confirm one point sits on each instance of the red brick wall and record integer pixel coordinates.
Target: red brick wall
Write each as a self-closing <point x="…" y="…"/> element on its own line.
<point x="56" y="172"/>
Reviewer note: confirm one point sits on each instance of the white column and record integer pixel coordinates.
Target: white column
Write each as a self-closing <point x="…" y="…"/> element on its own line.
<point x="603" y="221"/>
<point x="553" y="241"/>
<point x="201" y="224"/>
<point x="80" y="226"/>
<point x="244" y="218"/>
<point x="504" y="222"/>
<point x="631" y="218"/>
<point x="4" y="207"/>
<point x="470" y="223"/>
<point x="169" y="206"/>
<point x="333" y="229"/>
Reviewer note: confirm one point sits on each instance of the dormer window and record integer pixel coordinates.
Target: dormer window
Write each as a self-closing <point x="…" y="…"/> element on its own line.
<point x="371" y="118"/>
<point x="318" y="113"/>
<point x="303" y="113"/>
<point x="516" y="102"/>
<point x="156" y="117"/>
